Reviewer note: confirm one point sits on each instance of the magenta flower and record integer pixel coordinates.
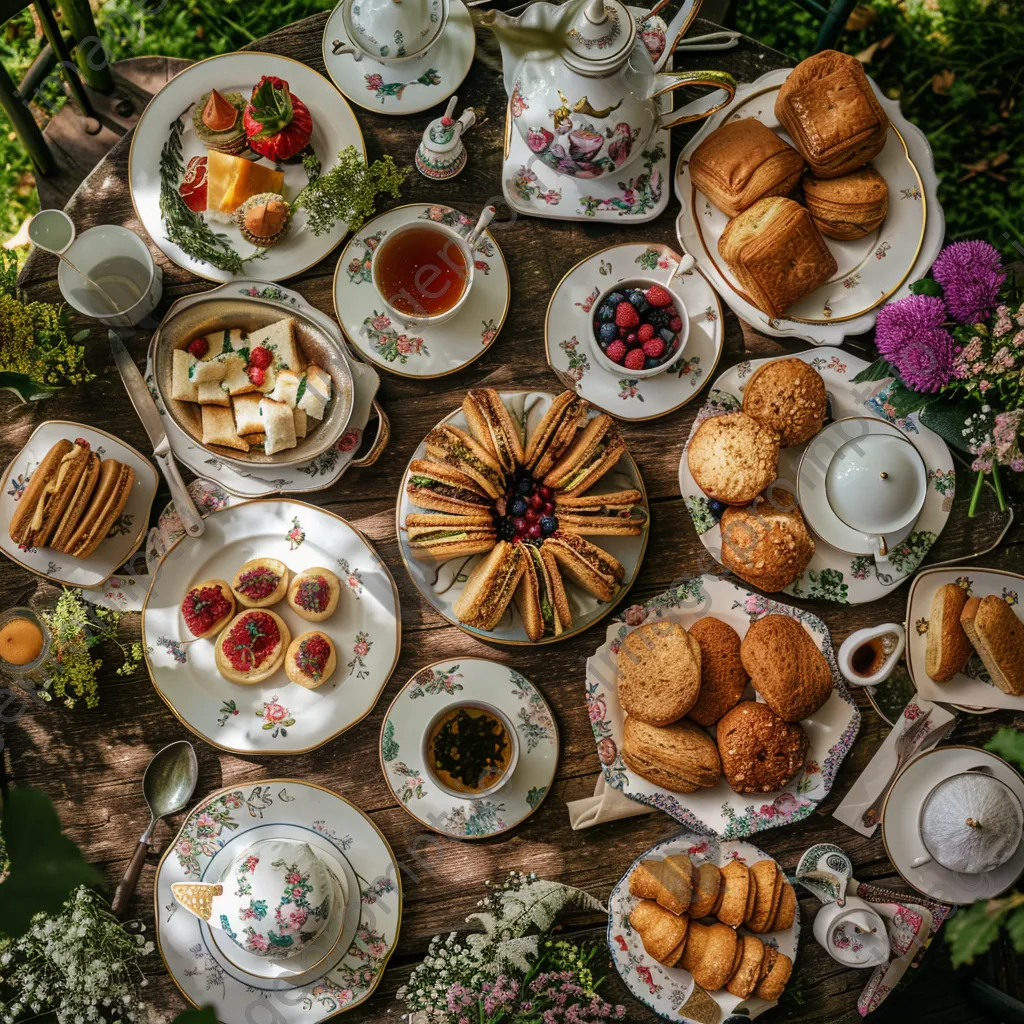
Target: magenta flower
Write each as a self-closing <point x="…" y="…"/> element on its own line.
<point x="902" y="321"/>
<point x="925" y="363"/>
<point x="970" y="274"/>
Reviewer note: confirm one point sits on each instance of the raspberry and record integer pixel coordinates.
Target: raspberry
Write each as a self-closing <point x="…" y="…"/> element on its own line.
<point x="626" y="315"/>
<point x="675" y="324"/>
<point x="617" y="351"/>
<point x="658" y="296"/>
<point x="654" y="348"/>
<point x="635" y="359"/>
<point x="257" y="375"/>
<point x="631" y="338"/>
<point x="260" y="357"/>
<point x="198" y="347"/>
<point x="646" y="331"/>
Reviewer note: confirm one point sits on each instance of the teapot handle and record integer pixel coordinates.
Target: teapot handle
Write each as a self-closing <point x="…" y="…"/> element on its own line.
<point x="677" y="27"/>
<point x="722" y="80"/>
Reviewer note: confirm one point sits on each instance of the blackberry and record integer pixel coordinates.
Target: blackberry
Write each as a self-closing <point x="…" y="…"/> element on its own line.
<point x="506" y="529"/>
<point x="526" y="485"/>
<point x="658" y="318"/>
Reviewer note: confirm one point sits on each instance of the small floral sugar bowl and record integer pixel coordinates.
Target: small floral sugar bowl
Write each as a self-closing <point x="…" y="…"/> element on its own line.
<point x="441" y="154"/>
<point x="275" y="899"/>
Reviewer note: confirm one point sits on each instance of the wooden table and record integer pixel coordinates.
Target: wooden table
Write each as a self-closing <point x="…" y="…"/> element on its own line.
<point x="91" y="762"/>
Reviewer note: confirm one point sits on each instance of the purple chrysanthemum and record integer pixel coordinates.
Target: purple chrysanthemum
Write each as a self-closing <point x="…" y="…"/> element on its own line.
<point x="970" y="274"/>
<point x="901" y="322"/>
<point x="925" y="362"/>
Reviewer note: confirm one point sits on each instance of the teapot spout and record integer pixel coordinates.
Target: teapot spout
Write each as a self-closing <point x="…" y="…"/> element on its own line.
<point x="197" y="897"/>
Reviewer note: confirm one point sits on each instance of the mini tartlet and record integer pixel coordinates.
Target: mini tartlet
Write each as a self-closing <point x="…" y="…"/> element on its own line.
<point x="263" y="219"/>
<point x="260" y="583"/>
<point x="313" y="594"/>
<point x="207" y="607"/>
<point x="252" y="646"/>
<point x="311" y="659"/>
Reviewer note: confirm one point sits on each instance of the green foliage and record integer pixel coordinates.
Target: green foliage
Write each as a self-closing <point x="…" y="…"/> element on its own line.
<point x="878" y="370"/>
<point x="204" y="1015"/>
<point x="1008" y="743"/>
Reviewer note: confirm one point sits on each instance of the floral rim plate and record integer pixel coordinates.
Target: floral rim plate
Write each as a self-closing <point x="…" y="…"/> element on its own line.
<point x="718" y="810"/>
<point x="412" y="86"/>
<point x="278" y="808"/>
<point x="568" y="333"/>
<point x="665" y="990"/>
<point x="334" y="128"/>
<point x="866" y="277"/>
<point x="275" y="716"/>
<point x="442" y="584"/>
<point x="834" y="575"/>
<point x="453" y="681"/>
<point x="973" y="686"/>
<point x="426" y="351"/>
<point x="127" y="533"/>
<point x="318" y="473"/>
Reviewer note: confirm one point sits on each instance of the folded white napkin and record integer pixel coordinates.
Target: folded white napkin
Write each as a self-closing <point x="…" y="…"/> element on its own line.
<point x="607" y="804"/>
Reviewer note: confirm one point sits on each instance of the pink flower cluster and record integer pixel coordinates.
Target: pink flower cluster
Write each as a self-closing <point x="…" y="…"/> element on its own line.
<point x="1003" y="445"/>
<point x="552" y="997"/>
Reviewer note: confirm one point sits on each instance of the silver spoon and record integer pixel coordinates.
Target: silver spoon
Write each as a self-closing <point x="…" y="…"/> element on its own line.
<point x="167" y="785"/>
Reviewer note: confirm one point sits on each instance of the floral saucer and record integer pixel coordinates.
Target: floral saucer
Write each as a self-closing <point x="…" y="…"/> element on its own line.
<point x="317" y="474"/>
<point x="433" y="351"/>
<point x="411" y="86"/>
<point x="666" y="990"/>
<point x="568" y="328"/>
<point x="451" y="682"/>
<point x="275" y="716"/>
<point x="719" y="810"/>
<point x="231" y="819"/>
<point x="126" y="534"/>
<point x="834" y="575"/>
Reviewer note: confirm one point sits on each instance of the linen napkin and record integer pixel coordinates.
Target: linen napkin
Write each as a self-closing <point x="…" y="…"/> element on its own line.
<point x="607" y="804"/>
<point x="883" y="764"/>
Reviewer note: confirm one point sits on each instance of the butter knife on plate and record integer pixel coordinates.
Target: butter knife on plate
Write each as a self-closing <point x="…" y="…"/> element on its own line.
<point x="151" y="419"/>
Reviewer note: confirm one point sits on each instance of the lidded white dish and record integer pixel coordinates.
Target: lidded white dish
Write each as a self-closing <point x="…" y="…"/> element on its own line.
<point x="394" y="29"/>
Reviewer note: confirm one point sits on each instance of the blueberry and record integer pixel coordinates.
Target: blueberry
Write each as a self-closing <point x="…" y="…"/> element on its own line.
<point x="606" y="311"/>
<point x="615" y="298"/>
<point x="506" y="529"/>
<point x="667" y="335"/>
<point x="548" y="525"/>
<point x="608" y="332"/>
<point x="716" y="508"/>
<point x="518" y="507"/>
<point x="636" y="297"/>
<point x="650" y="364"/>
<point x="525" y="485"/>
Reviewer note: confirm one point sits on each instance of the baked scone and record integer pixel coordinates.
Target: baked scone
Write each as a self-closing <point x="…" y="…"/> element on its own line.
<point x="786" y="914"/>
<point x="767" y="545"/>
<point x="733" y="458"/>
<point x="948" y="648"/>
<point x="768" y="880"/>
<point x="708" y="890"/>
<point x="743" y="161"/>
<point x="669" y="882"/>
<point x="252" y="646"/>
<point x="787" y="395"/>
<point x="998" y="637"/>
<point x="260" y="582"/>
<point x="776" y="970"/>
<point x="207" y="607"/>
<point x="748" y="974"/>
<point x="709" y="954"/>
<point x="736" y="882"/>
<point x="848" y="207"/>
<point x="722" y="675"/>
<point x="680" y="757"/>
<point x="831" y="113"/>
<point x="663" y="933"/>
<point x="659" y="668"/>
<point x="776" y="253"/>
<point x="786" y="667"/>
<point x="313" y="594"/>
<point x="311" y="659"/>
<point x="760" y="752"/>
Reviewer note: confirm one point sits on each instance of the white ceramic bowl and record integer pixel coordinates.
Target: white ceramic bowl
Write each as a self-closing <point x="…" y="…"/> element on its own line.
<point x="389" y="31"/>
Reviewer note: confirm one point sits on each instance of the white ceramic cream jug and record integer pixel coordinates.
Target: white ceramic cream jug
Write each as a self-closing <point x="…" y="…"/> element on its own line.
<point x="583" y="87"/>
<point x="274" y="898"/>
<point x="391" y="31"/>
<point x="852" y="933"/>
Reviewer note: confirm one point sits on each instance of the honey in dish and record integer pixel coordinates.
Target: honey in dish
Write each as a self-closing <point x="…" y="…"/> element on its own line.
<point x="470" y="749"/>
<point x="21" y="640"/>
<point x="421" y="271"/>
<point x="869" y="657"/>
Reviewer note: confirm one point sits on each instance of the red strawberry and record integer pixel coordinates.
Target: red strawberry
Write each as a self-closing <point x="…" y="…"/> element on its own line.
<point x="635" y="359"/>
<point x="260" y="357"/>
<point x="277" y="123"/>
<point x="626" y="316"/>
<point x="257" y="375"/>
<point x="198" y="347"/>
<point x="658" y="296"/>
<point x="675" y="324"/>
<point x="654" y="348"/>
<point x="616" y="352"/>
<point x="646" y="331"/>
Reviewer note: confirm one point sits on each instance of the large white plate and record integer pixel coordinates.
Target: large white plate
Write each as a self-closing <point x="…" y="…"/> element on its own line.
<point x="226" y="822"/>
<point x="128" y="531"/>
<point x="972" y="686"/>
<point x="832" y="574"/>
<point x="442" y="584"/>
<point x="718" y="810"/>
<point x="665" y="989"/>
<point x="275" y="716"/>
<point x="334" y="128"/>
<point x="871" y="270"/>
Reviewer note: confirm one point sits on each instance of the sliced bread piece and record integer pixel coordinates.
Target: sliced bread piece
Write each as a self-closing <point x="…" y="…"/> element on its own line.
<point x="212" y="393"/>
<point x="286" y="388"/>
<point x="219" y="428"/>
<point x="278" y="424"/>
<point x="301" y="424"/>
<point x="183" y="387"/>
<point x="998" y="637"/>
<point x="247" y="414"/>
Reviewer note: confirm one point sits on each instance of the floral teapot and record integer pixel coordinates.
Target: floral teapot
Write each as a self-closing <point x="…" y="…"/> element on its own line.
<point x="584" y="80"/>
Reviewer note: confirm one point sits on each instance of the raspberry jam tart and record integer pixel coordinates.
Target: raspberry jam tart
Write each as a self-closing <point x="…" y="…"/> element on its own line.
<point x="251" y="640"/>
<point x="312" y="656"/>
<point x="638" y="328"/>
<point x="313" y="594"/>
<point x="207" y="607"/>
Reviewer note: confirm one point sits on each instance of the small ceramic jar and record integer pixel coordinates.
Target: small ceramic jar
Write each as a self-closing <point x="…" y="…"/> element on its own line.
<point x="869" y="656"/>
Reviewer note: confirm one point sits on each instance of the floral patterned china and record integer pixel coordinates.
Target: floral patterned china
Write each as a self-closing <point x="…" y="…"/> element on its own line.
<point x="568" y="330"/>
<point x="390" y="32"/>
<point x="459" y="682"/>
<point x="835" y="574"/>
<point x="428" y="351"/>
<point x="222" y="836"/>
<point x="275" y="716"/>
<point x="871" y="270"/>
<point x="128" y="531"/>
<point x="831" y="730"/>
<point x="668" y="990"/>
<point x="404" y="85"/>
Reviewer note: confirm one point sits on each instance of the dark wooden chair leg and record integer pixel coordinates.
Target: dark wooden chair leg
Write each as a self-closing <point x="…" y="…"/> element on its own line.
<point x="93" y="61"/>
<point x="20" y="116"/>
<point x="67" y="67"/>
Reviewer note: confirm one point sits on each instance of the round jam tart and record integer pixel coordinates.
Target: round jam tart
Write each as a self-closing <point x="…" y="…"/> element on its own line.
<point x="314" y="593"/>
<point x="252" y="646"/>
<point x="207" y="607"/>
<point x="260" y="582"/>
<point x="311" y="659"/>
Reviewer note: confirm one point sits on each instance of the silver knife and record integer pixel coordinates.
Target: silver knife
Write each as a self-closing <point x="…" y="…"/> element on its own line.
<point x="152" y="421"/>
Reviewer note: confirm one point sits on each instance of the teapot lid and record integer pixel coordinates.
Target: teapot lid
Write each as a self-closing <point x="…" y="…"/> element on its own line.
<point x="600" y="37"/>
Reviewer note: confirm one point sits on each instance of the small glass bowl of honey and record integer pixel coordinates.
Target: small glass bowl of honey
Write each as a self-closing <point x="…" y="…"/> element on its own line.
<point x="470" y="750"/>
<point x="24" y="643"/>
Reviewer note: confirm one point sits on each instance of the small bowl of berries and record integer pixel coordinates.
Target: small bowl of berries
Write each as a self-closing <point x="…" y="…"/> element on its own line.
<point x="639" y="327"/>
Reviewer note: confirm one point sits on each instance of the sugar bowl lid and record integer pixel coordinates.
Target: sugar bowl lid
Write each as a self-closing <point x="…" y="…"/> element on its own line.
<point x="600" y="37"/>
